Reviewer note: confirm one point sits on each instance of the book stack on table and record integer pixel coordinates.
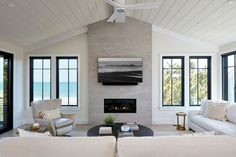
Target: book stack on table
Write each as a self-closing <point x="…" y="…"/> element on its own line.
<point x="132" y="125"/>
<point x="129" y="133"/>
<point x="105" y="130"/>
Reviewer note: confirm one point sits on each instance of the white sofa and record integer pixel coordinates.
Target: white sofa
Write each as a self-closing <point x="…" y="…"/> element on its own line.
<point x="199" y="122"/>
<point x="181" y="146"/>
<point x="58" y="147"/>
<point x="177" y="146"/>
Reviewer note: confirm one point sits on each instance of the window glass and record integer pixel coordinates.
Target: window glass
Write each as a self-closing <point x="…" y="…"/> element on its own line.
<point x="172" y="81"/>
<point x="40" y="78"/>
<point x="199" y="80"/>
<point x="67" y="72"/>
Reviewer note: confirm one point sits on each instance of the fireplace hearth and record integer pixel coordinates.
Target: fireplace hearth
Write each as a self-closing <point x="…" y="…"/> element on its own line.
<point x="119" y="105"/>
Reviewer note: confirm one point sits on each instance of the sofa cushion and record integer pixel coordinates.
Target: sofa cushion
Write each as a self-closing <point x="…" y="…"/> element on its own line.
<point x="212" y="125"/>
<point x="58" y="147"/>
<point x="51" y="114"/>
<point x="62" y="122"/>
<point x="216" y="110"/>
<point x="231" y="113"/>
<point x="177" y="146"/>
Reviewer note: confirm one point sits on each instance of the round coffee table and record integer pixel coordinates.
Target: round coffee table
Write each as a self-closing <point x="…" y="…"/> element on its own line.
<point x="143" y="130"/>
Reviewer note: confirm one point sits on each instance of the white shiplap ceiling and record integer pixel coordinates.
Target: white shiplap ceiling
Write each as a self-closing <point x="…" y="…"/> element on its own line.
<point x="212" y="21"/>
<point x="26" y="22"/>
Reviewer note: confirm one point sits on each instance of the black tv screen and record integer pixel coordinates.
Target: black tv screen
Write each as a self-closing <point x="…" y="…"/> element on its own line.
<point x="120" y="71"/>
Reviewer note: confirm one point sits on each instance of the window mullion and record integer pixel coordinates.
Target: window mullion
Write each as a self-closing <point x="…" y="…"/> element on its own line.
<point x="234" y="77"/>
<point x="197" y="81"/>
<point x="42" y="79"/>
<point x="68" y="83"/>
<point x="171" y="87"/>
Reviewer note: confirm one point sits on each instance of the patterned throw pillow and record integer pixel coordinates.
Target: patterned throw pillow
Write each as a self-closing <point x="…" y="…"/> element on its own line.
<point x="51" y="114"/>
<point x="23" y="133"/>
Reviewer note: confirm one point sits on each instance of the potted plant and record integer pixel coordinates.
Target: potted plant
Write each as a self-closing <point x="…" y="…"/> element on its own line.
<point x="109" y="120"/>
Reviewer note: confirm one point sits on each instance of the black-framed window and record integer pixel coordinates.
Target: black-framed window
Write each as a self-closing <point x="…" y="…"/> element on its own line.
<point x="229" y="76"/>
<point x="67" y="80"/>
<point x="40" y="78"/>
<point x="199" y="79"/>
<point x="173" y="81"/>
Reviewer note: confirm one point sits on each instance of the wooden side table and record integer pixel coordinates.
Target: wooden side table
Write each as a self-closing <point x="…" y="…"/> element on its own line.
<point x="179" y="126"/>
<point x="41" y="129"/>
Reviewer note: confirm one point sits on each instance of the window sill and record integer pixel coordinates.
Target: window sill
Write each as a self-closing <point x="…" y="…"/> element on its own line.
<point x="178" y="108"/>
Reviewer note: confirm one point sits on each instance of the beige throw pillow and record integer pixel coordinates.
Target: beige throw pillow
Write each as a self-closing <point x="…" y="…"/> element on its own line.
<point x="216" y="110"/>
<point x="51" y="114"/>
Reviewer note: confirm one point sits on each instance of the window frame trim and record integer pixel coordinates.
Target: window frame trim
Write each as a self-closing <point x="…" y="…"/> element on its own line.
<point x="31" y="86"/>
<point x="225" y="95"/>
<point x="57" y="78"/>
<point x="209" y="77"/>
<point x="182" y="81"/>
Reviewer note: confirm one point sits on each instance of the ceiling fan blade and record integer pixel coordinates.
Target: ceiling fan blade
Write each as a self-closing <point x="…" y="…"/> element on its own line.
<point x="113" y="3"/>
<point x="112" y="18"/>
<point x="144" y="6"/>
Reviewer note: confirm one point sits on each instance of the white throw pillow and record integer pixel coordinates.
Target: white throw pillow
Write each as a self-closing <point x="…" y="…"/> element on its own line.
<point x="51" y="114"/>
<point x="231" y="113"/>
<point x="204" y="104"/>
<point x="23" y="133"/>
<point x="216" y="110"/>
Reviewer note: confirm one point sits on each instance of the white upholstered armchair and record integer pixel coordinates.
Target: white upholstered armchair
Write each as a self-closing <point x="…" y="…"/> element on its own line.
<point x="57" y="127"/>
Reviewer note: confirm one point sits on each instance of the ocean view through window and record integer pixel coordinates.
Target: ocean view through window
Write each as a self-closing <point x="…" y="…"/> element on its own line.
<point x="40" y="78"/>
<point x="67" y="80"/>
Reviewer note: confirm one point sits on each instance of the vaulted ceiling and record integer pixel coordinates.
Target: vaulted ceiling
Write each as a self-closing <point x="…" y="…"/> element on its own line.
<point x="25" y="22"/>
<point x="212" y="21"/>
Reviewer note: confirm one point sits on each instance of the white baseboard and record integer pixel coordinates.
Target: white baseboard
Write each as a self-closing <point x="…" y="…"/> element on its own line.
<point x="159" y="120"/>
<point x="81" y="121"/>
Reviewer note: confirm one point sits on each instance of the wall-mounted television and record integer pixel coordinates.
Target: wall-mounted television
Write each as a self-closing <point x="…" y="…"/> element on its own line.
<point x="120" y="71"/>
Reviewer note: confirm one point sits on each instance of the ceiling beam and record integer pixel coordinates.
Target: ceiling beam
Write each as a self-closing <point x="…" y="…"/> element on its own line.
<point x="196" y="42"/>
<point x="56" y="38"/>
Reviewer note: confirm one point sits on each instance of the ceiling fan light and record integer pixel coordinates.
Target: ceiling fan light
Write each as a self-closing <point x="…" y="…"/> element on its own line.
<point x="120" y="10"/>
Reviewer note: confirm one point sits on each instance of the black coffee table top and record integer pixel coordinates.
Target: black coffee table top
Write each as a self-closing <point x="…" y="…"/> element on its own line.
<point x="143" y="130"/>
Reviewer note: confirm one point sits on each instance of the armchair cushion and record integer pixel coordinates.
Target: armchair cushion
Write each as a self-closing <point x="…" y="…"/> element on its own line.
<point x="62" y="122"/>
<point x="51" y="114"/>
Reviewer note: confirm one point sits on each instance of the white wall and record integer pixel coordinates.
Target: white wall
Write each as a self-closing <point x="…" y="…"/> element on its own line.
<point x="228" y="47"/>
<point x="18" y="95"/>
<point x="76" y="46"/>
<point x="168" y="45"/>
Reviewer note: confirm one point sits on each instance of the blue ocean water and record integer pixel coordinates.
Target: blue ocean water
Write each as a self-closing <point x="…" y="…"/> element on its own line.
<point x="63" y="89"/>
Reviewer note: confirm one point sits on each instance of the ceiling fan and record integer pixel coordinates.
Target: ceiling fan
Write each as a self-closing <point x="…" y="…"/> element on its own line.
<point x="119" y="14"/>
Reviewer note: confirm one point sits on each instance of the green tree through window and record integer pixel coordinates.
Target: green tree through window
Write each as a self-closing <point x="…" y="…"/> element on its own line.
<point x="200" y="79"/>
<point x="173" y="81"/>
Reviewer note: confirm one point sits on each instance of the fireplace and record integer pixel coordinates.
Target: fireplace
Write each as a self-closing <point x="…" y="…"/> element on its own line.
<point x="119" y="105"/>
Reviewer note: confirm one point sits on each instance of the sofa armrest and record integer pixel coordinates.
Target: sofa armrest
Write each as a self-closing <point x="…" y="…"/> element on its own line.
<point x="70" y="116"/>
<point x="192" y="113"/>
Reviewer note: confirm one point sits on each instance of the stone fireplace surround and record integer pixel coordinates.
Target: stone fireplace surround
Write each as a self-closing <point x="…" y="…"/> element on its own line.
<point x="130" y="39"/>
